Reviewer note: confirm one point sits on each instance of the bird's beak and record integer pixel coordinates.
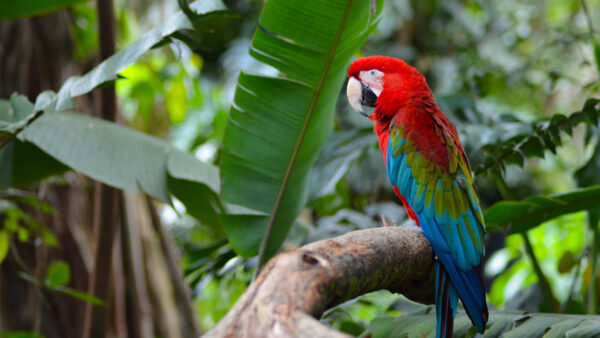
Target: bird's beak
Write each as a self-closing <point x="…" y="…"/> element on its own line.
<point x="360" y="95"/>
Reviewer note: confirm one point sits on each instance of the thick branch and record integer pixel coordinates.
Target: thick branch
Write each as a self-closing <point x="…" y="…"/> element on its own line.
<point x="305" y="282"/>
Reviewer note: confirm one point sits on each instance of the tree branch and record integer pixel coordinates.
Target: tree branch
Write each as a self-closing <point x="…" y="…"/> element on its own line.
<point x="298" y="285"/>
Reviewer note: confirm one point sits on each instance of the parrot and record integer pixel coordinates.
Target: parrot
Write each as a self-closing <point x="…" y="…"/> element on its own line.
<point x="431" y="175"/>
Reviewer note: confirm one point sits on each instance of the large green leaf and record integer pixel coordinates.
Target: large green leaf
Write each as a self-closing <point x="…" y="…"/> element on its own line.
<point x="120" y="157"/>
<point x="109" y="68"/>
<point x="115" y="155"/>
<point x="196" y="186"/>
<point x="509" y="324"/>
<point x="17" y="9"/>
<point x="534" y="210"/>
<point x="277" y="125"/>
<point x="104" y="151"/>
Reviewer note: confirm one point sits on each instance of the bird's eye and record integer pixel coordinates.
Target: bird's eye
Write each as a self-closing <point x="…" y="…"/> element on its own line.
<point x="372" y="72"/>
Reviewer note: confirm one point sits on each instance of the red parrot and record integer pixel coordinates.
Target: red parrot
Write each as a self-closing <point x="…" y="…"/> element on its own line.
<point x="431" y="175"/>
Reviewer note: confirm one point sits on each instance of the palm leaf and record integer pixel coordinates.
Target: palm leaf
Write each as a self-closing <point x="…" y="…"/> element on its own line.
<point x="277" y="125"/>
<point x="534" y="210"/>
<point x="500" y="324"/>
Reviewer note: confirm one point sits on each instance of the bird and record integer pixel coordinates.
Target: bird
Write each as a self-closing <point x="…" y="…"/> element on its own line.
<point x="431" y="175"/>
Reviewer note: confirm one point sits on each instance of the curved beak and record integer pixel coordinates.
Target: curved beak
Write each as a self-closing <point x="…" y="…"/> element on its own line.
<point x="360" y="95"/>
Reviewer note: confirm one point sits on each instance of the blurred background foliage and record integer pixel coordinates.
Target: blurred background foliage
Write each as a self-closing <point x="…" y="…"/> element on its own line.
<point x="499" y="69"/>
<point x="494" y="67"/>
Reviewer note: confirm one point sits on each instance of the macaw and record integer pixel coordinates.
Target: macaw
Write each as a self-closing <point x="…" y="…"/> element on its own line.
<point x="431" y="175"/>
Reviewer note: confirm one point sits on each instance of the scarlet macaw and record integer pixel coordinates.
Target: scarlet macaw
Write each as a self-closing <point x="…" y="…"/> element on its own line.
<point x="431" y="175"/>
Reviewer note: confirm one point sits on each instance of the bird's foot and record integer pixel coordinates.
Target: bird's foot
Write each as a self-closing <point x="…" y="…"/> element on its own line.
<point x="385" y="222"/>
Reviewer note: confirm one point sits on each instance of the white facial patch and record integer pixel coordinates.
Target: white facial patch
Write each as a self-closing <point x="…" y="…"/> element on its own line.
<point x="374" y="79"/>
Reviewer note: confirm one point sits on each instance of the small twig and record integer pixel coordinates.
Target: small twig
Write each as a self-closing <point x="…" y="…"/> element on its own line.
<point x="384" y="221"/>
<point x="565" y="307"/>
<point x="546" y="289"/>
<point x="38" y="285"/>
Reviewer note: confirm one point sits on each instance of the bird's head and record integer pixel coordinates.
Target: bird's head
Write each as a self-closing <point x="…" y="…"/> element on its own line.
<point x="384" y="83"/>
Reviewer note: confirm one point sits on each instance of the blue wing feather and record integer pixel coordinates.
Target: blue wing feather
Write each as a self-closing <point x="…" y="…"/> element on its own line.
<point x="456" y="240"/>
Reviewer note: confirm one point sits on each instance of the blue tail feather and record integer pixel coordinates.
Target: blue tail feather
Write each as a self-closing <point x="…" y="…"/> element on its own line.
<point x="470" y="289"/>
<point x="445" y="303"/>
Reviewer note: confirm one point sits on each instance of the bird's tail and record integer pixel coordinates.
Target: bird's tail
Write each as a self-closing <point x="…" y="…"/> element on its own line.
<point x="452" y="284"/>
<point x="446" y="300"/>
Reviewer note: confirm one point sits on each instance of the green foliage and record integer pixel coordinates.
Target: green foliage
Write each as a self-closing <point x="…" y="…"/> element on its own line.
<point x="79" y="295"/>
<point x="108" y="70"/>
<point x="59" y="274"/>
<point x="15" y="116"/>
<point x="354" y="316"/>
<point x="278" y="125"/>
<point x="514" y="324"/>
<point x="16" y="222"/>
<point x="342" y="149"/>
<point x="19" y="9"/>
<point x="84" y="30"/>
<point x="495" y="72"/>
<point x="515" y="282"/>
<point x="221" y="291"/>
<point x="19" y="334"/>
<point x="544" y="136"/>
<point x="534" y="210"/>
<point x="122" y="157"/>
<point x="112" y="154"/>
<point x="57" y="278"/>
<point x="4" y="244"/>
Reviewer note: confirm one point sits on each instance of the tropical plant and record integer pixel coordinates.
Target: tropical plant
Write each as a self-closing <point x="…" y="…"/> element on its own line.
<point x="284" y="161"/>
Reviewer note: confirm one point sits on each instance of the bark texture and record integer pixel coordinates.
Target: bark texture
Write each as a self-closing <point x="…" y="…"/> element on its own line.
<point x="297" y="286"/>
<point x="106" y="199"/>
